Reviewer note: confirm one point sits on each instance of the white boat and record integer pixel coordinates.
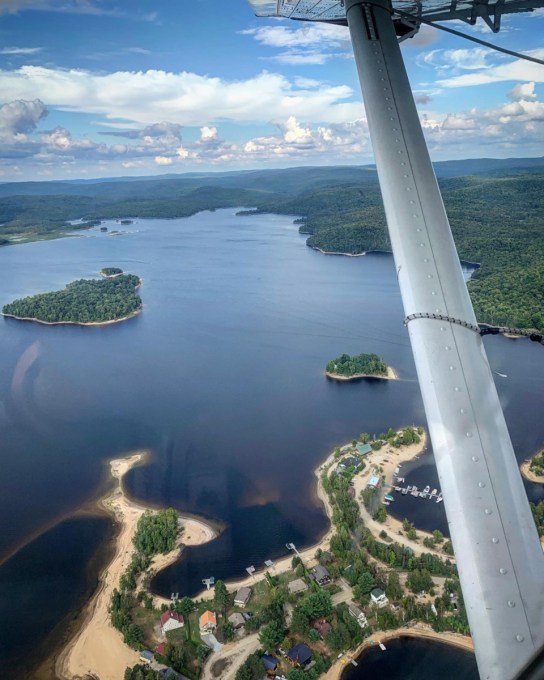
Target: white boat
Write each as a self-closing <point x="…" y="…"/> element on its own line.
<point x="404" y="492"/>
<point x="433" y="492"/>
<point x="415" y="493"/>
<point x="439" y="499"/>
<point x="503" y="375"/>
<point x="400" y="479"/>
<point x="427" y="489"/>
<point x="397" y="470"/>
<point x="385" y="503"/>
<point x="382" y="646"/>
<point x="423" y="494"/>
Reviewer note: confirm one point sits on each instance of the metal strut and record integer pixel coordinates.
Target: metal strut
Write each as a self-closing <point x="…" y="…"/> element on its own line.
<point x="499" y="557"/>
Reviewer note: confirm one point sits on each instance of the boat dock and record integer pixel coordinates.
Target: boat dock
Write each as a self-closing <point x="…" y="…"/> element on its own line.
<point x="426" y="493"/>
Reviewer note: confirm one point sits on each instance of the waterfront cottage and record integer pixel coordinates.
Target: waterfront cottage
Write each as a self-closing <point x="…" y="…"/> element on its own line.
<point x="363" y="449"/>
<point x="300" y="655"/>
<point x="358" y="615"/>
<point x="378" y="597"/>
<point x="208" y="622"/>
<point x="297" y="586"/>
<point x="242" y="597"/>
<point x="321" y="575"/>
<point x="170" y="620"/>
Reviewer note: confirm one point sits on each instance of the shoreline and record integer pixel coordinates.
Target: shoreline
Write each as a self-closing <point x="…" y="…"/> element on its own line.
<point x="74" y="323"/>
<point x="529" y="474"/>
<point x="387" y="459"/>
<point x="419" y="630"/>
<point x="97" y="648"/>
<point x="391" y="375"/>
<point x="283" y="564"/>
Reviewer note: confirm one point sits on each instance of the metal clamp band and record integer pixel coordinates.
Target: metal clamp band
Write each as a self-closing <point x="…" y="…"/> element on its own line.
<point x="442" y="317"/>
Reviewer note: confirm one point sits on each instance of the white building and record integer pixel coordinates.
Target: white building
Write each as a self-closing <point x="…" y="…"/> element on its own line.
<point x="379" y="598"/>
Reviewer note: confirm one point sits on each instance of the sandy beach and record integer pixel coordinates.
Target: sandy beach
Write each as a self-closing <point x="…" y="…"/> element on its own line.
<point x="391" y="375"/>
<point x="98" y="649"/>
<point x="419" y="630"/>
<point x="529" y="474"/>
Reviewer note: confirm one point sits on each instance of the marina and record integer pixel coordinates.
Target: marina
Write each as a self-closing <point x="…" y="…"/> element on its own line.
<point x="425" y="493"/>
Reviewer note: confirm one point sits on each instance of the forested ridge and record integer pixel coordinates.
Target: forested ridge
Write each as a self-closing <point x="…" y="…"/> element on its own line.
<point x="83" y="301"/>
<point x="497" y="218"/>
<point x="496" y="221"/>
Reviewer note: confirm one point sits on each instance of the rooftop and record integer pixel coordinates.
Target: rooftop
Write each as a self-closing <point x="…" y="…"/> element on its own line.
<point x="170" y="614"/>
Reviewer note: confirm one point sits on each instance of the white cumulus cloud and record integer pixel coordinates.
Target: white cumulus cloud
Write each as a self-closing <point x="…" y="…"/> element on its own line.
<point x="183" y="98"/>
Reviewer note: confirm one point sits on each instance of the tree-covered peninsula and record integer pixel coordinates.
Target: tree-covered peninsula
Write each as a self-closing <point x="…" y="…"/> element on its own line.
<point x="359" y="366"/>
<point x="86" y="301"/>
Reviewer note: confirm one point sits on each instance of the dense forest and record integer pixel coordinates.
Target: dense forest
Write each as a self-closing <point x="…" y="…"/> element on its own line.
<point x="495" y="213"/>
<point x="111" y="271"/>
<point x="83" y="301"/>
<point x="361" y="364"/>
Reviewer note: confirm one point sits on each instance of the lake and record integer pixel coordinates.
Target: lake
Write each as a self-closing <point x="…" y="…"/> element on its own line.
<point x="221" y="377"/>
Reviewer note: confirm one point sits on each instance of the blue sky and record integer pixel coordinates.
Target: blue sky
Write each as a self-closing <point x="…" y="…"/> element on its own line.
<point x="95" y="88"/>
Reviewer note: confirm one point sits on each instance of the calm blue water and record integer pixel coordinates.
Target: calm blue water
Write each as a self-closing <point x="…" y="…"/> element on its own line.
<point x="221" y="376"/>
<point x="414" y="659"/>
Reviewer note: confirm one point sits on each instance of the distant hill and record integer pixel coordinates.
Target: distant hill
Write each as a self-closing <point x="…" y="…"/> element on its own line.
<point x="288" y="180"/>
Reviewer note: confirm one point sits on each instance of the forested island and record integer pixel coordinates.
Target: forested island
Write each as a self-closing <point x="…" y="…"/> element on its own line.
<point x="109" y="272"/>
<point x="495" y="209"/>
<point x="86" y="301"/>
<point x="346" y="367"/>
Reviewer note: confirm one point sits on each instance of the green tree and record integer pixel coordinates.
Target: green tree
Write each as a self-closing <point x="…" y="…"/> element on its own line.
<point x="221" y="596"/>
<point x="271" y="635"/>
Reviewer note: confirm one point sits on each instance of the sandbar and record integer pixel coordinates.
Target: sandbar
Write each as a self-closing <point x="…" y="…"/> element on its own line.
<point x="97" y="649"/>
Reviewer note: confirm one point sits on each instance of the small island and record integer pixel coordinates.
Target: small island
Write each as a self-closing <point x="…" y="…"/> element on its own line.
<point x="110" y="272"/>
<point x="83" y="302"/>
<point x="533" y="469"/>
<point x="346" y="367"/>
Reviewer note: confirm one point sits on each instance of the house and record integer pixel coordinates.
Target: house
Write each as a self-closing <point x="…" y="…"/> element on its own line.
<point x="363" y="449"/>
<point x="161" y="649"/>
<point x="242" y="597"/>
<point x="237" y="620"/>
<point x="358" y="615"/>
<point x="374" y="482"/>
<point x="350" y="461"/>
<point x="270" y="663"/>
<point x="146" y="656"/>
<point x="323" y="627"/>
<point x="208" y="622"/>
<point x="321" y="575"/>
<point x="171" y="674"/>
<point x="297" y="586"/>
<point x="300" y="655"/>
<point x="378" y="597"/>
<point x="170" y="620"/>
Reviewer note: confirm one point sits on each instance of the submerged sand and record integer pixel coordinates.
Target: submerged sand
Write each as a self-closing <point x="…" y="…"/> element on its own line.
<point x="98" y="650"/>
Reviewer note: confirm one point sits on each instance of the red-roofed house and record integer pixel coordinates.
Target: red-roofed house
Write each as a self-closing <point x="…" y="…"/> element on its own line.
<point x="208" y="622"/>
<point x="171" y="620"/>
<point x="161" y="649"/>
